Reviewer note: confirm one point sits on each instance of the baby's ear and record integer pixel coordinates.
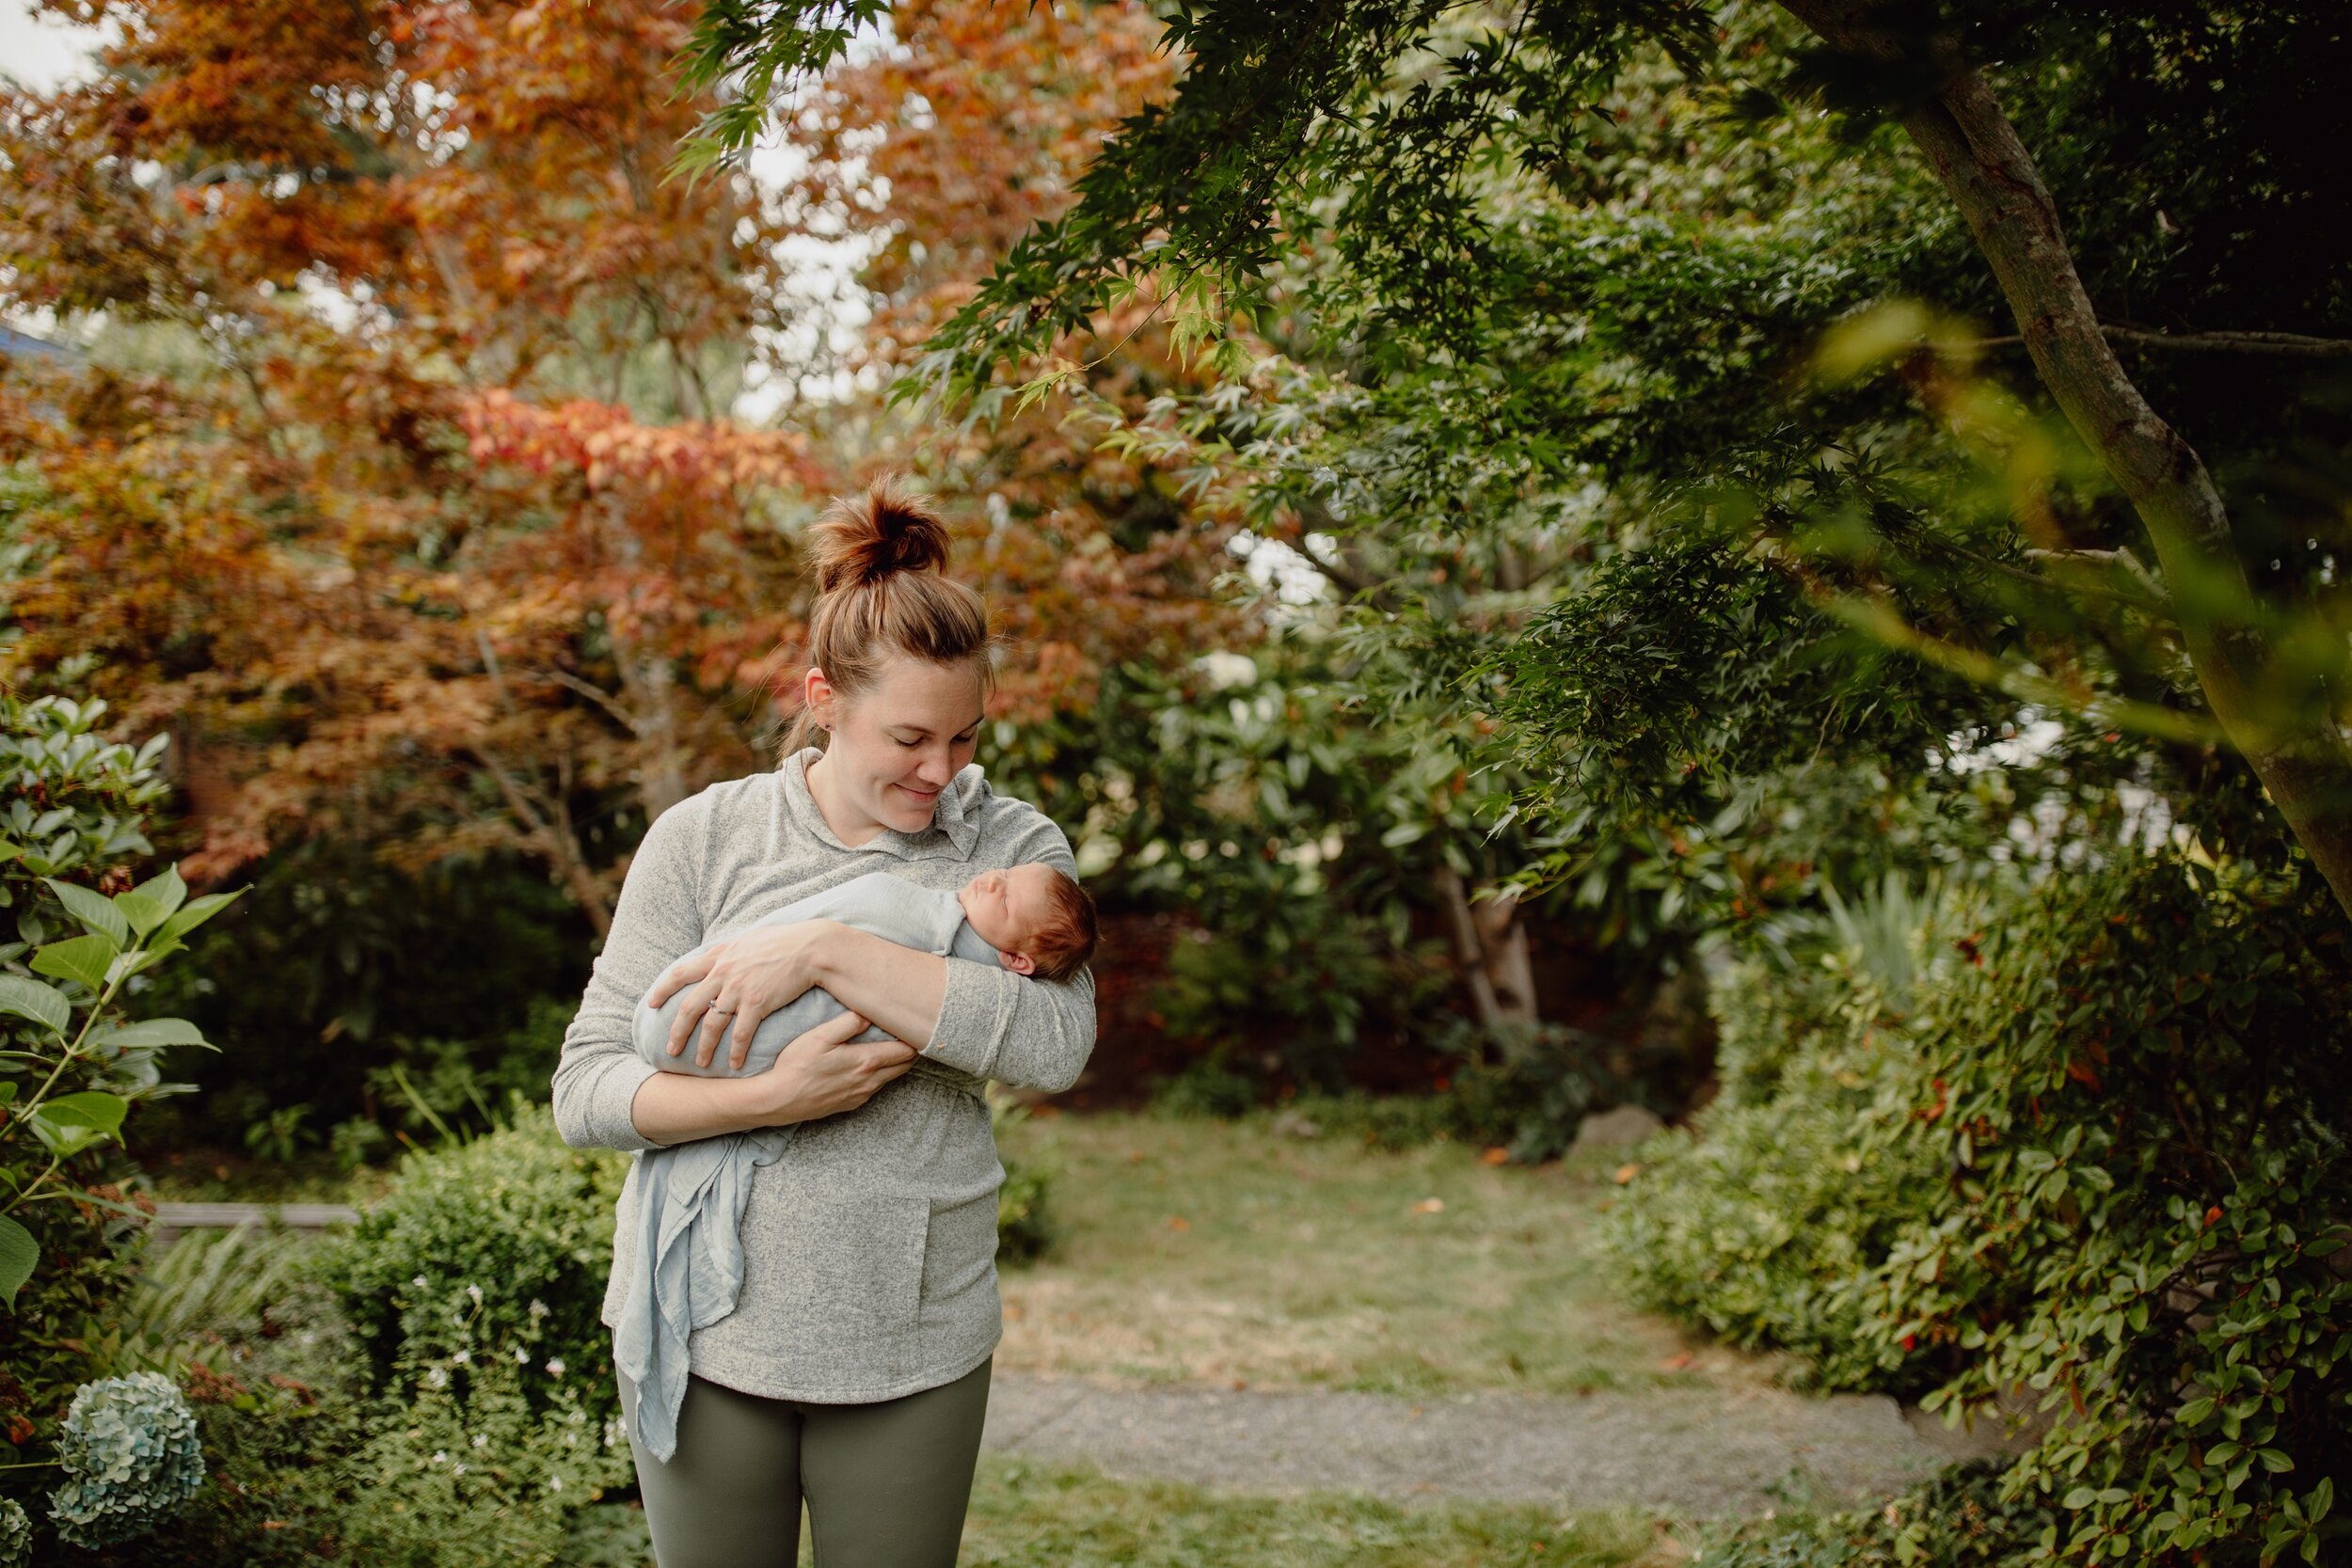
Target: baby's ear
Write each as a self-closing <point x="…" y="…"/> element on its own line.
<point x="1020" y="963"/>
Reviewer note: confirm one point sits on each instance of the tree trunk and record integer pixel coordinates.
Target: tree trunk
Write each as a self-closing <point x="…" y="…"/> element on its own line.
<point x="1976" y="152"/>
<point x="552" y="837"/>
<point x="1490" y="948"/>
<point x="648" y="681"/>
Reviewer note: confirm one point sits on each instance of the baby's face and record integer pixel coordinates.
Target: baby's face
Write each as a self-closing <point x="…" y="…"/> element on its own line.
<point x="1009" y="908"/>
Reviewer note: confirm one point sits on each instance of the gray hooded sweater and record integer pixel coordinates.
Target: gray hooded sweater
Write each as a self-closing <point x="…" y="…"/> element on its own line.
<point x="868" y="1267"/>
<point x="691" y="1196"/>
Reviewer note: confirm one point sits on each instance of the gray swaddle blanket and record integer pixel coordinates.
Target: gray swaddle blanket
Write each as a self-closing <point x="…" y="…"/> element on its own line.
<point x="690" y="1195"/>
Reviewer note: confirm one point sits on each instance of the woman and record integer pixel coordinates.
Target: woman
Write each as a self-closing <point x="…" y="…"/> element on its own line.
<point x="855" y="1369"/>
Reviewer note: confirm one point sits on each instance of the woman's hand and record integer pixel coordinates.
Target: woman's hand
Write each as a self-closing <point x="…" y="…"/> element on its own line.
<point x="821" y="1074"/>
<point x="828" y="1071"/>
<point x="738" y="982"/>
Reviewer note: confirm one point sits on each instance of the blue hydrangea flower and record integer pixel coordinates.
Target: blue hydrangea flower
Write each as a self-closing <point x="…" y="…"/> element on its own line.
<point x="16" y="1534"/>
<point x="131" y="1457"/>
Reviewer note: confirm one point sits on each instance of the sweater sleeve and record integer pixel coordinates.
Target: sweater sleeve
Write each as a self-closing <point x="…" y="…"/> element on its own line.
<point x="657" y="920"/>
<point x="994" y="1023"/>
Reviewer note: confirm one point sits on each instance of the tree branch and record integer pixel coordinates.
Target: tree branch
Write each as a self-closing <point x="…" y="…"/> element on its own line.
<point x="1976" y="155"/>
<point x="2293" y="344"/>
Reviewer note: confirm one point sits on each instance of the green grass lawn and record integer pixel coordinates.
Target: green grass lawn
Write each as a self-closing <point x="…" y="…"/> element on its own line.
<point x="1224" y="1252"/>
<point x="1027" y="1515"/>
<point x="1031" y="1515"/>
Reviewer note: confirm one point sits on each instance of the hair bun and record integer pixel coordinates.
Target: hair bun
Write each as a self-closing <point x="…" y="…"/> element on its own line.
<point x="864" y="538"/>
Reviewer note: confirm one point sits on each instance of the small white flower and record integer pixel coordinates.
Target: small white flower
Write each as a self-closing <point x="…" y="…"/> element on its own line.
<point x="462" y="1358"/>
<point x="481" y="1439"/>
<point x="555" y="1483"/>
<point x="555" y="1367"/>
<point x="538" y="1308"/>
<point x="437" y="1377"/>
<point x="418" y="1282"/>
<point x="440" y="1456"/>
<point x="458" y="1469"/>
<point x="475" y="1292"/>
<point x="522" y="1356"/>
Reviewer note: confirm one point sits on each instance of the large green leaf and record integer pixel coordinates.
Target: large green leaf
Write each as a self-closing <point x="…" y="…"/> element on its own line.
<point x="44" y="1004"/>
<point x="152" y="1031"/>
<point x="164" y="887"/>
<point x="197" y="912"/>
<point x="83" y="959"/>
<point x="18" y="1254"/>
<point x="95" y="910"/>
<point x="88" y="1108"/>
<point x="143" y="913"/>
<point x="73" y="1122"/>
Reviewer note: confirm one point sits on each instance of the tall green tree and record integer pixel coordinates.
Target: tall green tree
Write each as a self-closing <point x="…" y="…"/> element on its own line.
<point x="1493" y="232"/>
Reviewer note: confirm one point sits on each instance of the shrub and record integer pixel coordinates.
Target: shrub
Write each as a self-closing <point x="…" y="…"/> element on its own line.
<point x="1961" y="1519"/>
<point x="472" y="1290"/>
<point x="307" y="1465"/>
<point x="2141" y="1093"/>
<point x="2104" y="1161"/>
<point x="481" y="1249"/>
<point x="74" y="1068"/>
<point x="1765" y="1225"/>
<point x="1024" y="1224"/>
<point x="338" y="965"/>
<point x="1208" y="1086"/>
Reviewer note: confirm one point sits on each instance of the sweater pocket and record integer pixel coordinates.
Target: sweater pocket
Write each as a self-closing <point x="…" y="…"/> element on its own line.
<point x="847" y="1269"/>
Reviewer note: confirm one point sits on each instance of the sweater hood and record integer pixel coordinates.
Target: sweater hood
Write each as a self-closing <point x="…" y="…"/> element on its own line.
<point x="955" y="827"/>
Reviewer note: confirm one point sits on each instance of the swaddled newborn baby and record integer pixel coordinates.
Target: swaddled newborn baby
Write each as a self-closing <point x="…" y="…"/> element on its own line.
<point x="1030" y="919"/>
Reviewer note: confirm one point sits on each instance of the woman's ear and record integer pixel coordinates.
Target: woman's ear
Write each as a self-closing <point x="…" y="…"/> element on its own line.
<point x="817" y="697"/>
<point x="1020" y="963"/>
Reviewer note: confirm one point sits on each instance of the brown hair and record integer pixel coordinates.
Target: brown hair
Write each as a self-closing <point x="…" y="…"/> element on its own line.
<point x="1067" y="941"/>
<point x="876" y="558"/>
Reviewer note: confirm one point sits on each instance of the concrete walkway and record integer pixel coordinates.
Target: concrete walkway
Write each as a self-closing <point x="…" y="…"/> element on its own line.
<point x="1695" y="1453"/>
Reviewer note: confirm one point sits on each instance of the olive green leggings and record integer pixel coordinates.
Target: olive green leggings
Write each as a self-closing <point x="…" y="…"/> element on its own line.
<point x="887" y="1483"/>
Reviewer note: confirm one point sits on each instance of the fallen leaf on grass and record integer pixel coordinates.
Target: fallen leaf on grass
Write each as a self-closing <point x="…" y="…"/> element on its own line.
<point x="1626" y="1173"/>
<point x="1495" y="1157"/>
<point x="1430" y="1206"/>
<point x="1178" y="1222"/>
<point x="1682" y="1362"/>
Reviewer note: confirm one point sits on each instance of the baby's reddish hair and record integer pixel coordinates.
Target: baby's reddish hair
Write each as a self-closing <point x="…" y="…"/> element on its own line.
<point x="1067" y="940"/>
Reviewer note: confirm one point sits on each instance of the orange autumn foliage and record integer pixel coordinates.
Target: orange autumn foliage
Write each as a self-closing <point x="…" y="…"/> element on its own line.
<point x="941" y="152"/>
<point x="404" y="489"/>
<point x="467" y="552"/>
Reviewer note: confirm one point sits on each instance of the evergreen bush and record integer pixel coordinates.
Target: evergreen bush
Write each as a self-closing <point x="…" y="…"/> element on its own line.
<point x="2104" y="1159"/>
<point x="484" y="1252"/>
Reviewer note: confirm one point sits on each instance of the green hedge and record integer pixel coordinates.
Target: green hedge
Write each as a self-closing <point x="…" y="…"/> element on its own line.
<point x="1764" y="1228"/>
<point x="2106" y="1160"/>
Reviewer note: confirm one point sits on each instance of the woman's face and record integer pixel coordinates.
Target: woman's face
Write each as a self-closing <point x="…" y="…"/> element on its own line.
<point x="895" y="745"/>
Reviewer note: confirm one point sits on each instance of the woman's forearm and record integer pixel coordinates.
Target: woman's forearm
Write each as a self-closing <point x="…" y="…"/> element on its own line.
<point x="678" y="1107"/>
<point x="897" y="988"/>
